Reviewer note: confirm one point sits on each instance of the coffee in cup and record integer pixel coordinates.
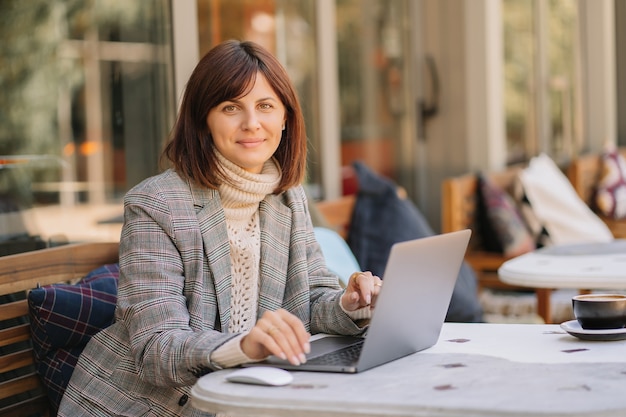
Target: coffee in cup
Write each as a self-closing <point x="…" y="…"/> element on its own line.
<point x="600" y="311"/>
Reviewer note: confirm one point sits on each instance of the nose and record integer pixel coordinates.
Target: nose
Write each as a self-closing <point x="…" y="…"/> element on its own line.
<point x="250" y="121"/>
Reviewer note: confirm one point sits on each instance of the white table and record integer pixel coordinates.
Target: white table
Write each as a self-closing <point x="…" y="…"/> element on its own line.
<point x="582" y="266"/>
<point x="504" y="370"/>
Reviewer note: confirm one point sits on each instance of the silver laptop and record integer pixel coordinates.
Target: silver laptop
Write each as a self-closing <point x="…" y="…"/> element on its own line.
<point x="417" y="287"/>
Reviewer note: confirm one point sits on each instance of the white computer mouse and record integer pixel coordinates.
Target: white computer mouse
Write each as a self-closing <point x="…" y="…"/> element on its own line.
<point x="260" y="375"/>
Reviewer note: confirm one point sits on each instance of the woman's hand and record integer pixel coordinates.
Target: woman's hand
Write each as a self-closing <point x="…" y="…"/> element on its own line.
<point x="361" y="291"/>
<point x="277" y="333"/>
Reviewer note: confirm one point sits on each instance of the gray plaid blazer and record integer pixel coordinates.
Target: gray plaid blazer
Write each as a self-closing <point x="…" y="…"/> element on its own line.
<point x="174" y="296"/>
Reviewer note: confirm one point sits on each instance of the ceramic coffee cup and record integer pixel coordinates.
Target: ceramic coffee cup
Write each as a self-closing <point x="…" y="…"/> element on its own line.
<point x="600" y="311"/>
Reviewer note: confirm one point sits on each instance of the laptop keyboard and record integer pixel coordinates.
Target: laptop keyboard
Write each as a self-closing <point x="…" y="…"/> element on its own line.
<point x="345" y="356"/>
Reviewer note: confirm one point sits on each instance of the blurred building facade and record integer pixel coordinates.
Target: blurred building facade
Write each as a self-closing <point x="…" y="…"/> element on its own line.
<point x="417" y="89"/>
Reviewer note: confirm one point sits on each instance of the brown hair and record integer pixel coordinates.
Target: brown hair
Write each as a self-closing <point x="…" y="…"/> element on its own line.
<point x="227" y="72"/>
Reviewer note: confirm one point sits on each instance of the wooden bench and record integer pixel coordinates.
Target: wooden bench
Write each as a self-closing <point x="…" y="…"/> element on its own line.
<point x="584" y="173"/>
<point x="21" y="391"/>
<point x="459" y="208"/>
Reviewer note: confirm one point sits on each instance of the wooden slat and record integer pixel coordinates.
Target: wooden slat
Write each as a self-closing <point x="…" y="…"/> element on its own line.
<point x="459" y="203"/>
<point x="485" y="261"/>
<point x="490" y="279"/>
<point x="14" y="334"/>
<point x="36" y="406"/>
<point x="14" y="309"/>
<point x="16" y="360"/>
<point x="64" y="263"/>
<point x="19" y="385"/>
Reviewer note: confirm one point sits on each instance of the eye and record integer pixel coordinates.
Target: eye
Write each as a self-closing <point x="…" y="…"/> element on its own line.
<point x="229" y="108"/>
<point x="266" y="106"/>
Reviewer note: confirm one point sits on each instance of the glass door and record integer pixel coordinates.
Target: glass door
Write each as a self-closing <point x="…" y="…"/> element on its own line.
<point x="376" y="93"/>
<point x="543" y="79"/>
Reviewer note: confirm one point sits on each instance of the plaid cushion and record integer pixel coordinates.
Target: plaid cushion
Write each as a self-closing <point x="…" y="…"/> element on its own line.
<point x="501" y="225"/>
<point x="63" y="318"/>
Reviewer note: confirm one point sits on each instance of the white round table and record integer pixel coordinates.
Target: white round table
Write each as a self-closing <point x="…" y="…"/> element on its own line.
<point x="580" y="266"/>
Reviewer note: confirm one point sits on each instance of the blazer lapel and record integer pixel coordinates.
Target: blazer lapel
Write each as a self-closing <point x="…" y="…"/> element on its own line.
<point x="216" y="247"/>
<point x="275" y="224"/>
<point x="275" y="218"/>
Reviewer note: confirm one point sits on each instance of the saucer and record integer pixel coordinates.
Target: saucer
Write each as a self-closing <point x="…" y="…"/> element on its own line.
<point x="573" y="327"/>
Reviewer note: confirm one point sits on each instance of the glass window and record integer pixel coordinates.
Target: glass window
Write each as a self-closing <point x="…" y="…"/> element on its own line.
<point x="563" y="81"/>
<point x="375" y="87"/>
<point x="542" y="79"/>
<point x="519" y="50"/>
<point x="86" y="101"/>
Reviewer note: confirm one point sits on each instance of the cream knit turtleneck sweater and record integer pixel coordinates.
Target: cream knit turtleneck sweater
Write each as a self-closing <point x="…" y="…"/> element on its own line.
<point x="240" y="197"/>
<point x="240" y="200"/>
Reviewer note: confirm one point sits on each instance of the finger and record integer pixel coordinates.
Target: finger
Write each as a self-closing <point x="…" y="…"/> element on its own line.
<point x="257" y="344"/>
<point x="286" y="340"/>
<point x="288" y="333"/>
<point x="360" y="289"/>
<point x="378" y="284"/>
<point x="365" y="281"/>
<point x="302" y="336"/>
<point x="352" y="281"/>
<point x="264" y="332"/>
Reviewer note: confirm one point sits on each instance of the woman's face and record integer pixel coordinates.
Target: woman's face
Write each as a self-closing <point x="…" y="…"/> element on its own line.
<point x="247" y="130"/>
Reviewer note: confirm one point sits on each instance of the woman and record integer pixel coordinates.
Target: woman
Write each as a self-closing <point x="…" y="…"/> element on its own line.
<point x="218" y="261"/>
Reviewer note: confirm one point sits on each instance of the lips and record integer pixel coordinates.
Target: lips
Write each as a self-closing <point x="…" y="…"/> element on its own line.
<point x="250" y="143"/>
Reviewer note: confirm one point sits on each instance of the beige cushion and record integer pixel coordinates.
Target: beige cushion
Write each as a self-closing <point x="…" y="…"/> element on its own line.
<point x="566" y="218"/>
